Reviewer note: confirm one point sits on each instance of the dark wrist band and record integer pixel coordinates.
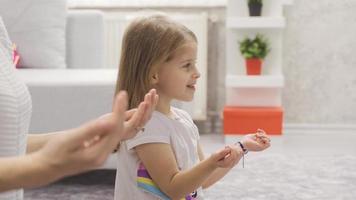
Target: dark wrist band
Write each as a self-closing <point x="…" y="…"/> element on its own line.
<point x="242" y="147"/>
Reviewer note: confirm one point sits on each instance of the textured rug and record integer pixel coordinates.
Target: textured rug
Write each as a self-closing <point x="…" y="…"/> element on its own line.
<point x="276" y="177"/>
<point x="265" y="177"/>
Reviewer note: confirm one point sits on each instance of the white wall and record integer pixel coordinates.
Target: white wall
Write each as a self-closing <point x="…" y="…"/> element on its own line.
<point x="320" y="62"/>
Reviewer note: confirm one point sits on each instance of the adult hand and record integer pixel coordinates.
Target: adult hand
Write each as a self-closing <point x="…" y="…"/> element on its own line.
<point x="85" y="147"/>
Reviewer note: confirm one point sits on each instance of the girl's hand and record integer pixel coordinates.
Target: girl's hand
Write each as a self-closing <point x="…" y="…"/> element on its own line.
<point x="258" y="141"/>
<point x="136" y="118"/>
<point x="227" y="157"/>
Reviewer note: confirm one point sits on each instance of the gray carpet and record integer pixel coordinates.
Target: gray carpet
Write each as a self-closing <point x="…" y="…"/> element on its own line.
<point x="96" y="185"/>
<point x="265" y="177"/>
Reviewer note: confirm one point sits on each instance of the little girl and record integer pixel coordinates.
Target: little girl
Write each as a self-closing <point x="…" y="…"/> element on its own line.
<point x="165" y="160"/>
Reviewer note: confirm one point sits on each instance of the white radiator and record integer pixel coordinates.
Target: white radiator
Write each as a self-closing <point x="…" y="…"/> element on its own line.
<point x="115" y="24"/>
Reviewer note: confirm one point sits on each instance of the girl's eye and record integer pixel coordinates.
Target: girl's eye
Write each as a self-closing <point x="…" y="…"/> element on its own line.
<point x="187" y="65"/>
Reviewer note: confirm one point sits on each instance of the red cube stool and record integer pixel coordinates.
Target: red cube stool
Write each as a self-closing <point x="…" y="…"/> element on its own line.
<point x="244" y="120"/>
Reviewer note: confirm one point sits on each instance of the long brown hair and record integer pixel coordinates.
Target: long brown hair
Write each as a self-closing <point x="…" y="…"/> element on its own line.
<point x="147" y="42"/>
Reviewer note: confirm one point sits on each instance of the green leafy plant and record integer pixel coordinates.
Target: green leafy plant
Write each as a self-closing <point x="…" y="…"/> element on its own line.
<point x="254" y="48"/>
<point x="255" y="2"/>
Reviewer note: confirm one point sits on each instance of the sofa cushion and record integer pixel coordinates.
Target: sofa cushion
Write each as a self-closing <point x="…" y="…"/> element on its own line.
<point x="85" y="33"/>
<point x="38" y="29"/>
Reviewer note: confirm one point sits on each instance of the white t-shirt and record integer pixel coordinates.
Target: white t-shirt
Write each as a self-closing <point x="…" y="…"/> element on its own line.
<point x="180" y="132"/>
<point x="15" y="110"/>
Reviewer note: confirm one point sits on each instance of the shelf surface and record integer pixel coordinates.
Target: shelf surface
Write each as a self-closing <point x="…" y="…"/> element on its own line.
<point x="262" y="81"/>
<point x="288" y="2"/>
<point x="255" y="22"/>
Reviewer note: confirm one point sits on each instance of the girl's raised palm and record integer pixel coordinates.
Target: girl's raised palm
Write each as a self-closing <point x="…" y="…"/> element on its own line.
<point x="136" y="118"/>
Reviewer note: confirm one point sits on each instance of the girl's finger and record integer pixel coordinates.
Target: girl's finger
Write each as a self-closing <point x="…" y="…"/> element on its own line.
<point x="223" y="154"/>
<point x="149" y="102"/>
<point x="137" y="118"/>
<point x="261" y="131"/>
<point x="129" y="113"/>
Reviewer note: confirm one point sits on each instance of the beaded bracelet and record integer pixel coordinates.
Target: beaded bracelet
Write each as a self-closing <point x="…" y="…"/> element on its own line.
<point x="245" y="151"/>
<point x="243" y="147"/>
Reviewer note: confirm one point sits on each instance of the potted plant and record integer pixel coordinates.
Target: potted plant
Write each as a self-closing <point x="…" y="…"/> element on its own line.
<point x="255" y="7"/>
<point x="254" y="51"/>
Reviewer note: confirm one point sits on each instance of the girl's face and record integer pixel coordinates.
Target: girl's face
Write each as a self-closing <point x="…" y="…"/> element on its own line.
<point x="177" y="78"/>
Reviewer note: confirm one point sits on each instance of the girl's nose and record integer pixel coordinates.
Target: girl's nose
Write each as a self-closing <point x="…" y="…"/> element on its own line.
<point x="196" y="74"/>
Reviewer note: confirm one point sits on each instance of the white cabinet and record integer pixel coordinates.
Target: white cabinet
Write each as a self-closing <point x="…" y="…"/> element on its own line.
<point x="263" y="90"/>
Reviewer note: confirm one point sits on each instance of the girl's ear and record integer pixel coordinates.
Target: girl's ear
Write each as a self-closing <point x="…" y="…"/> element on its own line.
<point x="154" y="79"/>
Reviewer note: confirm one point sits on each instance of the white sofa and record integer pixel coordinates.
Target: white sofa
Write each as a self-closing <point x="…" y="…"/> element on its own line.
<point x="65" y="98"/>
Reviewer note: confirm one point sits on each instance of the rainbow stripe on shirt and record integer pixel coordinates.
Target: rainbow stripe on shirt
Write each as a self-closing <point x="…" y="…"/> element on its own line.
<point x="145" y="182"/>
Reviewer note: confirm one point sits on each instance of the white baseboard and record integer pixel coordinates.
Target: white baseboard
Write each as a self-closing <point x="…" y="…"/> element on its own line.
<point x="301" y="128"/>
<point x="294" y="128"/>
